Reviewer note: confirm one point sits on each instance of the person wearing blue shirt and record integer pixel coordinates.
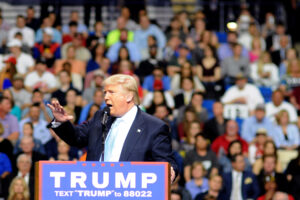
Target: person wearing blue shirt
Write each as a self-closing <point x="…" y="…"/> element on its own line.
<point x="147" y="29"/>
<point x="157" y="81"/>
<point x="255" y="122"/>
<point x="113" y="51"/>
<point x="5" y="165"/>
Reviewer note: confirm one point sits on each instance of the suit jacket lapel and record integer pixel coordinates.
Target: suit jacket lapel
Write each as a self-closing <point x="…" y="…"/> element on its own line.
<point x="133" y="136"/>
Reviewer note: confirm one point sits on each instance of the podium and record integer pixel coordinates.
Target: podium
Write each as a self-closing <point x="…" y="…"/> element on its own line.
<point x="105" y="180"/>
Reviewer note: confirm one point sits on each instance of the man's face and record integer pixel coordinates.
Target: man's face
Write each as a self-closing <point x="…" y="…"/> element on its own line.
<point x="47" y="38"/>
<point x="18" y="84"/>
<point x="240" y="83"/>
<point x="144" y="22"/>
<point x="5" y="106"/>
<point x="201" y="143"/>
<point x="277" y="98"/>
<point x="197" y="100"/>
<point x="20" y="22"/>
<point x="121" y="23"/>
<point x="269" y="164"/>
<point x="24" y="164"/>
<point x="117" y="98"/>
<point x="98" y="98"/>
<point x="239" y="164"/>
<point x="231" y="128"/>
<point x="34" y="113"/>
<point x="161" y="112"/>
<point x="259" y="114"/>
<point x="215" y="183"/>
<point x="27" y="145"/>
<point x="218" y="109"/>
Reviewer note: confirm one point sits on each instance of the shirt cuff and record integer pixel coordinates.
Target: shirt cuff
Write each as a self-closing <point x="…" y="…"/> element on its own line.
<point x="55" y="124"/>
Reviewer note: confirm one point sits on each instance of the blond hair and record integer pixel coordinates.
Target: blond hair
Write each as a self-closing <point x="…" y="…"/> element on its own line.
<point x="127" y="82"/>
<point x="280" y="114"/>
<point x="12" y="193"/>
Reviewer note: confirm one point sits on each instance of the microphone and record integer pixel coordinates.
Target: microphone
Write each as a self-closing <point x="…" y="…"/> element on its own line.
<point x="106" y="113"/>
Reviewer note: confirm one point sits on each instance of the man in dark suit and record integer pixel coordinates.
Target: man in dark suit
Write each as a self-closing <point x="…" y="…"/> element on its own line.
<point x="239" y="184"/>
<point x="132" y="135"/>
<point x="216" y="126"/>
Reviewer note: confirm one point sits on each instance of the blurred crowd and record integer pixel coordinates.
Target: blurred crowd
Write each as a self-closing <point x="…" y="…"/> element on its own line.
<point x="231" y="100"/>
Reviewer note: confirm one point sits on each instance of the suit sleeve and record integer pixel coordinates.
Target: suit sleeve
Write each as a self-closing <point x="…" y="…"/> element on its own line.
<point x="162" y="149"/>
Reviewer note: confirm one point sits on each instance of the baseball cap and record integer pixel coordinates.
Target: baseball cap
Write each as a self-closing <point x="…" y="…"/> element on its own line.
<point x="240" y="76"/>
<point x="261" y="131"/>
<point x="260" y="106"/>
<point x="48" y="31"/>
<point x="14" y="43"/>
<point x="18" y="77"/>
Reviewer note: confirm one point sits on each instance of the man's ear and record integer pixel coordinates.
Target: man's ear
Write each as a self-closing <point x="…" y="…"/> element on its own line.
<point x="129" y="98"/>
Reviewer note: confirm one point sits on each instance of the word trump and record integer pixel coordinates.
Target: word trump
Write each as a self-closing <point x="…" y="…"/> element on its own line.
<point x="101" y="181"/>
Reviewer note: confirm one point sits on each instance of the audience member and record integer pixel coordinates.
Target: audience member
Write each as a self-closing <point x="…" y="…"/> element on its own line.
<point x="47" y="25"/>
<point x="293" y="175"/>
<point x="215" y="187"/>
<point x="31" y="21"/>
<point x="5" y="145"/>
<point x="256" y="146"/>
<point x="18" y="189"/>
<point x="20" y="94"/>
<point x="74" y="17"/>
<point x="96" y="62"/>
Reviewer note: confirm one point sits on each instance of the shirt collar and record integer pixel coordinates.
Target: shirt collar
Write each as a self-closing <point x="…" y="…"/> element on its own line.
<point x="129" y="116"/>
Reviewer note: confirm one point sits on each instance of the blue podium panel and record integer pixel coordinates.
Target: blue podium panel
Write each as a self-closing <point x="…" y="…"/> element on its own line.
<point x="105" y="180"/>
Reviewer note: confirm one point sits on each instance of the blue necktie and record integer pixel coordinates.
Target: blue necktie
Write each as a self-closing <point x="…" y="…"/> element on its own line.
<point x="110" y="141"/>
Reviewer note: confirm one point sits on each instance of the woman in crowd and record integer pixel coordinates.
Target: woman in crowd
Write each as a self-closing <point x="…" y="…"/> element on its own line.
<point x="18" y="189"/>
<point x="269" y="149"/>
<point x="63" y="154"/>
<point x="96" y="61"/>
<point x="256" y="50"/>
<point x="189" y="116"/>
<point x="264" y="72"/>
<point x="158" y="97"/>
<point x="16" y="110"/>
<point x="7" y="73"/>
<point x="123" y="55"/>
<point x="291" y="54"/>
<point x="72" y="106"/>
<point x="198" y="184"/>
<point x="192" y="129"/>
<point x="286" y="135"/>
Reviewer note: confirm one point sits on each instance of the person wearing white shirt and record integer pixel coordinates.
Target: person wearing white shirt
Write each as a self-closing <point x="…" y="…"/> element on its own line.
<point x="41" y="79"/>
<point x="277" y="104"/>
<point x="243" y="93"/>
<point x="25" y="62"/>
<point x="28" y="33"/>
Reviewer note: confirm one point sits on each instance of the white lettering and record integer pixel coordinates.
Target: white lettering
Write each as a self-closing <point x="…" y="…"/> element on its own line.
<point x="120" y="181"/>
<point x="78" y="178"/>
<point x="148" y="178"/>
<point x="57" y="176"/>
<point x="95" y="182"/>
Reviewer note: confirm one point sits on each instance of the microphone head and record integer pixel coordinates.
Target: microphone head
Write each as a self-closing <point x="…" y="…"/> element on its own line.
<point x="106" y="110"/>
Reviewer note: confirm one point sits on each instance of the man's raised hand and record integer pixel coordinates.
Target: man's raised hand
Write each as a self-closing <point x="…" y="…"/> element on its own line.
<point x="59" y="112"/>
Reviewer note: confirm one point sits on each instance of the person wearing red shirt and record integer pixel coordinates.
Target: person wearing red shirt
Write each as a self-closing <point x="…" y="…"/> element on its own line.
<point x="221" y="143"/>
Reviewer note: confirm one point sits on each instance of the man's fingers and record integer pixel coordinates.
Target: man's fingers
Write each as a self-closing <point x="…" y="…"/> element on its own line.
<point x="50" y="106"/>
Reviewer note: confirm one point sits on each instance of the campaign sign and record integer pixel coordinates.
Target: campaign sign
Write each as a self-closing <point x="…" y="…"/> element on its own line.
<point x="105" y="180"/>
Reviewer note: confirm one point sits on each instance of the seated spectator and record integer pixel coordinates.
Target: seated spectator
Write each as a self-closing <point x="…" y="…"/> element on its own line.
<point x="153" y="51"/>
<point x="97" y="36"/>
<point x="189" y="116"/>
<point x="46" y="49"/>
<point x="37" y="98"/>
<point x="291" y="54"/>
<point x="247" y="37"/>
<point x="196" y="104"/>
<point x="201" y="153"/>
<point x="65" y="86"/>
<point x="186" y="72"/>
<point x="256" y="147"/>
<point x="20" y="94"/>
<point x="239" y="184"/>
<point x="269" y="149"/>
<point x="279" y="55"/>
<point x="63" y="150"/>
<point x="93" y="109"/>
<point x="40" y="126"/>
<point x="157" y="80"/>
<point x="153" y="99"/>
<point x="256" y="50"/>
<point x="188" y="142"/>
<point x="11" y="129"/>
<point x="28" y="130"/>
<point x="7" y="73"/>
<point x="113" y="36"/>
<point x="215" y="187"/>
<point x="95" y="82"/>
<point x="209" y="72"/>
<point x="269" y="170"/>
<point x="235" y="147"/>
<point x="243" y="93"/>
<point x="286" y="135"/>
<point x="129" y="23"/>
<point x="77" y="68"/>
<point x="178" y="190"/>
<point x="5" y="145"/>
<point x="277" y="104"/>
<point x="98" y="99"/>
<point x="18" y="189"/>
<point x="25" y="62"/>
<point x="178" y="60"/>
<point x="221" y="143"/>
<point x="96" y="62"/>
<point x="290" y="83"/>
<point x="235" y="65"/>
<point x="68" y="37"/>
<point x="198" y="29"/>
<point x="146" y="29"/>
<point x="123" y="55"/>
<point x="31" y="21"/>
<point x="15" y="110"/>
<point x="41" y="79"/>
<point x="47" y="23"/>
<point x="133" y="51"/>
<point x="73" y="106"/>
<point x="175" y="29"/>
<point x="170" y="49"/>
<point x="226" y="49"/>
<point x="293" y="175"/>
<point x="264" y="72"/>
<point x="256" y="122"/>
<point x="28" y="33"/>
<point x="74" y="17"/>
<point x="81" y="52"/>
<point x="198" y="184"/>
<point x="216" y="126"/>
<point x="176" y="195"/>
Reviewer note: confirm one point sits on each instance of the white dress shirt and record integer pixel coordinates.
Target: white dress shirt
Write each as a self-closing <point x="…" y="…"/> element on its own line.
<point x="123" y="126"/>
<point x="236" y="191"/>
<point x="26" y="177"/>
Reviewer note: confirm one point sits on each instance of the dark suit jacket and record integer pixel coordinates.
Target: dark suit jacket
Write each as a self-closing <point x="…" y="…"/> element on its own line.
<point x="276" y="58"/>
<point x="250" y="187"/>
<point x="148" y="139"/>
<point x="210" y="130"/>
